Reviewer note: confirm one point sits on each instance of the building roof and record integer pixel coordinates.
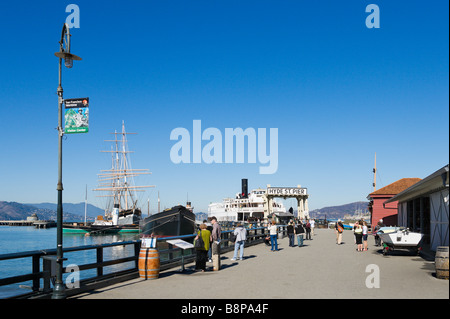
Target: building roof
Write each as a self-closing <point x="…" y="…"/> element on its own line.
<point x="396" y="187"/>
<point x="432" y="183"/>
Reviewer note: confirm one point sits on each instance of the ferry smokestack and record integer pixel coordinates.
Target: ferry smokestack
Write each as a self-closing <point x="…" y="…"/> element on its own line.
<point x="244" y="193"/>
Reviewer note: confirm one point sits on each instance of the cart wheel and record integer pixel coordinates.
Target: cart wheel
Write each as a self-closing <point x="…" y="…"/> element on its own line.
<point x="384" y="251"/>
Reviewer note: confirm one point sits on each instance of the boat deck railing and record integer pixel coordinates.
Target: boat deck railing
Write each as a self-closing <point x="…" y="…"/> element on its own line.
<point x="43" y="263"/>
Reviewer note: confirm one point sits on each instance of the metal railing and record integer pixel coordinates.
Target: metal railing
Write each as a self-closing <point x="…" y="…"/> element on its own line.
<point x="42" y="275"/>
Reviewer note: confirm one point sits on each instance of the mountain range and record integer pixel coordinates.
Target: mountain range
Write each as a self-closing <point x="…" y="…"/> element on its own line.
<point x="75" y="212"/>
<point x="339" y="211"/>
<point x="46" y="211"/>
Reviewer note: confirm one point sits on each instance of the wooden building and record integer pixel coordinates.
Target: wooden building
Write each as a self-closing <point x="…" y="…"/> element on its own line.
<point x="424" y="207"/>
<point x="388" y="212"/>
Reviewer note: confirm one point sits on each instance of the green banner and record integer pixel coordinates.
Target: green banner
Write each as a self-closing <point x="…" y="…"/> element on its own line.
<point x="76" y="117"/>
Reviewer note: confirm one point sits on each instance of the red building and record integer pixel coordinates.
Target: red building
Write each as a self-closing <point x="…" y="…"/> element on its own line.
<point x="387" y="212"/>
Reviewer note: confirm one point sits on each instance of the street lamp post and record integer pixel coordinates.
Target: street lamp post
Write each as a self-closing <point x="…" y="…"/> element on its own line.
<point x="64" y="53"/>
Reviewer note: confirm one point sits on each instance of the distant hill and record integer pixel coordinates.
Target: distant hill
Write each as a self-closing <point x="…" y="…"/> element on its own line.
<point x="74" y="212"/>
<point x="201" y="216"/>
<point x="45" y="211"/>
<point x="339" y="211"/>
<point x="76" y="209"/>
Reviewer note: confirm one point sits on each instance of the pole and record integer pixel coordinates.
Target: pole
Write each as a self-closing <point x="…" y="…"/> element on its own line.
<point x="85" y="207"/>
<point x="375" y="174"/>
<point x="58" y="291"/>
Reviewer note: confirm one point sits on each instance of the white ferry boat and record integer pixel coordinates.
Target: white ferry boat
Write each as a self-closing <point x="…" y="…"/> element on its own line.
<point x="245" y="207"/>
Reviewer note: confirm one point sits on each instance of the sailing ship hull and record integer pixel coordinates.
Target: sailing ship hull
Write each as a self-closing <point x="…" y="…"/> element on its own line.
<point x="81" y="228"/>
<point x="99" y="229"/>
<point x="176" y="221"/>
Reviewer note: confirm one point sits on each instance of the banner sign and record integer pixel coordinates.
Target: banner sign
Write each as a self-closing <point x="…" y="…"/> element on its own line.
<point x="148" y="242"/>
<point x="76" y="117"/>
<point x="286" y="191"/>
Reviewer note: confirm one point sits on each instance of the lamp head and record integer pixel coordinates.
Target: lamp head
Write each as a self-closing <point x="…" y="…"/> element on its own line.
<point x="64" y="53"/>
<point x="68" y="58"/>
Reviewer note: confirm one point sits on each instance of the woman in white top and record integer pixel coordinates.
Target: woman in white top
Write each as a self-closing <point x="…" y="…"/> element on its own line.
<point x="358" y="236"/>
<point x="365" y="231"/>
<point x="273" y="236"/>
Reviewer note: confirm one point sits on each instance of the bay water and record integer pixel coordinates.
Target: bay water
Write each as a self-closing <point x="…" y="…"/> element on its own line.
<point x="14" y="239"/>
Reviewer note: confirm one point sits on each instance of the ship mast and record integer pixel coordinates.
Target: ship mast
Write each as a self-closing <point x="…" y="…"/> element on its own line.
<point x="118" y="181"/>
<point x="375" y="174"/>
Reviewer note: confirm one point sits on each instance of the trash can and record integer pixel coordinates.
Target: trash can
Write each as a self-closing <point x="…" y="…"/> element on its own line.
<point x="441" y="262"/>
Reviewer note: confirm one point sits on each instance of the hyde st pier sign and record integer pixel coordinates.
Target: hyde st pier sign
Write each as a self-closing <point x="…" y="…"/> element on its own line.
<point x="287" y="191"/>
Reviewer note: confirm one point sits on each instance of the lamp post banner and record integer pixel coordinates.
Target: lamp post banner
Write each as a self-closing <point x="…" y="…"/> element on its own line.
<point x="76" y="117"/>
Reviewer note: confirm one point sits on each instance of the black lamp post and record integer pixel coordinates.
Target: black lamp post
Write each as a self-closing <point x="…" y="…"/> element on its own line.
<point x="64" y="53"/>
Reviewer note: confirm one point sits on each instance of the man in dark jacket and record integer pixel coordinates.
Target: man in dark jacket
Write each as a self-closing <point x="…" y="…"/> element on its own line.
<point x="290" y="232"/>
<point x="308" y="230"/>
<point x="216" y="233"/>
<point x="299" y="231"/>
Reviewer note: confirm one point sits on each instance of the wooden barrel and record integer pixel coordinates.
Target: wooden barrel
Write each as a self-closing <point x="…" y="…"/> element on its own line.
<point x="441" y="262"/>
<point x="148" y="264"/>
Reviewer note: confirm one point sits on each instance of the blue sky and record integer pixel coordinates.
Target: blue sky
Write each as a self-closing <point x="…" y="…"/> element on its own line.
<point x="337" y="91"/>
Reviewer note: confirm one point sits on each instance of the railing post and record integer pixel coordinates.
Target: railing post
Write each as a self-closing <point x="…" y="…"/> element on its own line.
<point x="99" y="261"/>
<point x="49" y="270"/>
<point x="36" y="267"/>
<point x="137" y="248"/>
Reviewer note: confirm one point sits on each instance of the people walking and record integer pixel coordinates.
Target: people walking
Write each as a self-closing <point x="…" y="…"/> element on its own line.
<point x="365" y="235"/>
<point x="216" y="233"/>
<point x="313" y="225"/>
<point x="273" y="236"/>
<point x="290" y="232"/>
<point x="308" y="230"/>
<point x="241" y="236"/>
<point x="358" y="231"/>
<point x="210" y="228"/>
<point x="339" y="229"/>
<point x="299" y="231"/>
<point x="375" y="232"/>
<point x="202" y="252"/>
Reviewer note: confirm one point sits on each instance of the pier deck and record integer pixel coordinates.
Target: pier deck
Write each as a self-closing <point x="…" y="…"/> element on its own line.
<point x="320" y="269"/>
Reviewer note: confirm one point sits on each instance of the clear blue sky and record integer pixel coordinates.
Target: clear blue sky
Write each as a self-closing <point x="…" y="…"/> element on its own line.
<point x="337" y="91"/>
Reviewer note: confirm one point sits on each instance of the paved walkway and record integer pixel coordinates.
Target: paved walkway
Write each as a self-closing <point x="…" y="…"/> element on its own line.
<point x="320" y="269"/>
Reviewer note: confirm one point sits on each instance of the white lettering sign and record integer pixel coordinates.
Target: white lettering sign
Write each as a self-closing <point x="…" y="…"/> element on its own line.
<point x="286" y="191"/>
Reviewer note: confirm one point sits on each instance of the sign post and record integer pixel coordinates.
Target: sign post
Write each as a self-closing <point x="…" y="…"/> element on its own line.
<point x="183" y="245"/>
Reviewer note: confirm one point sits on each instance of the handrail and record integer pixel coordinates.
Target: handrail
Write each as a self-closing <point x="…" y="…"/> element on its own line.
<point x="170" y="257"/>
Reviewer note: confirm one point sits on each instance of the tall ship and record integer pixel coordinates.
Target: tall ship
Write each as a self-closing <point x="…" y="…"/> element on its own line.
<point x="245" y="206"/>
<point x="122" y="211"/>
<point x="176" y="221"/>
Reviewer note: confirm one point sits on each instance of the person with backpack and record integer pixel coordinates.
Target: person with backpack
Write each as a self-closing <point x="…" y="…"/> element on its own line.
<point x="299" y="231"/>
<point x="210" y="228"/>
<point x="339" y="229"/>
<point x="203" y="239"/>
<point x="308" y="230"/>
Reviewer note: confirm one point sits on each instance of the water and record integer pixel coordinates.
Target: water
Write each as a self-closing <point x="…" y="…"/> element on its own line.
<point x="15" y="239"/>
